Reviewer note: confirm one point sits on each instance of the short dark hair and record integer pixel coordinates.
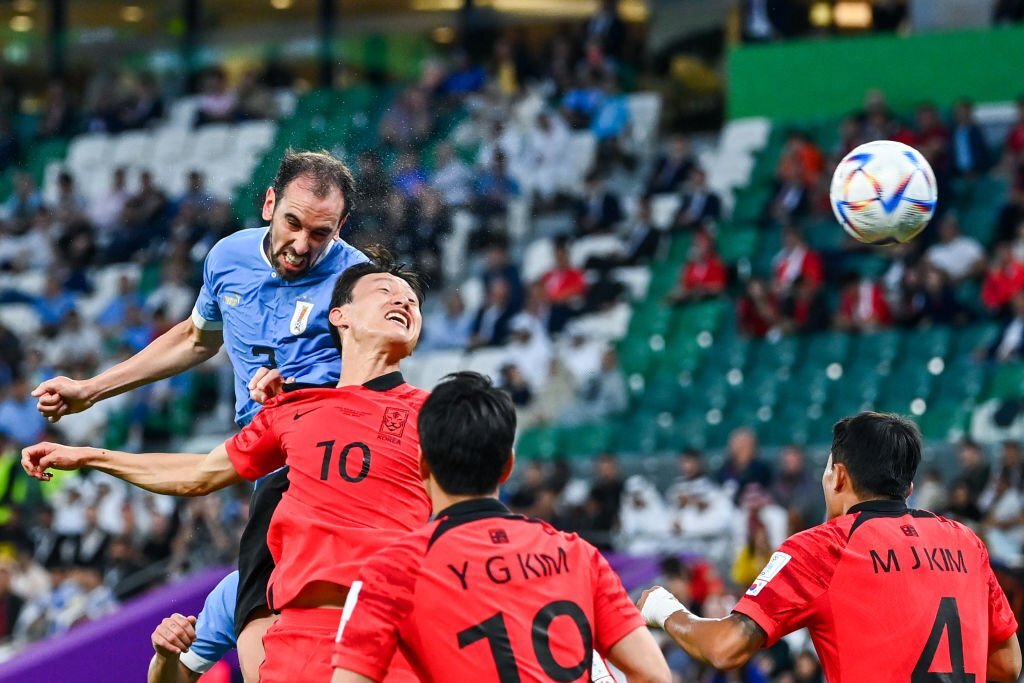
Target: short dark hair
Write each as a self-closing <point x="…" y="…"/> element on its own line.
<point x="381" y="261"/>
<point x="325" y="170"/>
<point x="467" y="428"/>
<point x="881" y="451"/>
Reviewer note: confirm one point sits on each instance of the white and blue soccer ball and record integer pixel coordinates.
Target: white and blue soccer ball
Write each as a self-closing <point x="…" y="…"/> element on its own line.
<point x="883" y="192"/>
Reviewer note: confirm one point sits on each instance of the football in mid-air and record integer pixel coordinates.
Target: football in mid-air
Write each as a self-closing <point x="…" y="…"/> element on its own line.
<point x="883" y="192"/>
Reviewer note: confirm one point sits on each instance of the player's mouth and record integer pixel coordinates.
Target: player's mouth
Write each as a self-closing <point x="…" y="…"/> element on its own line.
<point x="292" y="261"/>
<point x="399" y="318"/>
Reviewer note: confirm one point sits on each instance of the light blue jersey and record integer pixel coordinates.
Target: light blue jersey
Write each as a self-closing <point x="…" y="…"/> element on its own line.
<point x="267" y="320"/>
<point x="215" y="627"/>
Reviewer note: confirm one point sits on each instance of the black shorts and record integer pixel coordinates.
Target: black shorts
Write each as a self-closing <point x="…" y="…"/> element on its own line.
<point x="254" y="561"/>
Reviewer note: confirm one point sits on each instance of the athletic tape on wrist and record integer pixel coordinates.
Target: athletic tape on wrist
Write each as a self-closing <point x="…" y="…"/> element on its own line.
<point x="659" y="606"/>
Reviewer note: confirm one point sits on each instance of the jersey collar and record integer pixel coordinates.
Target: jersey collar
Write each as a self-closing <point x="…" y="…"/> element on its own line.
<point x="474" y="506"/>
<point x="880" y="506"/>
<point x="385" y="382"/>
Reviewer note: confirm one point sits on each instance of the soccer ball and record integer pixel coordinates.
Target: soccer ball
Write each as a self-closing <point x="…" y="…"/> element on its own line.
<point x="883" y="192"/>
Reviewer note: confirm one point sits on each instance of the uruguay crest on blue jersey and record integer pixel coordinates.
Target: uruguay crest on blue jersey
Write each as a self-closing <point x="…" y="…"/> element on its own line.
<point x="301" y="316"/>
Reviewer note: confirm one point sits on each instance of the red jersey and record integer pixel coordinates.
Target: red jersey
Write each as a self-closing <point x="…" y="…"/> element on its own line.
<point x="354" y="478"/>
<point x="484" y="595"/>
<point x="888" y="594"/>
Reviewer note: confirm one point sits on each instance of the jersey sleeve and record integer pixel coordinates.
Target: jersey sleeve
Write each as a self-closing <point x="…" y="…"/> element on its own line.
<point x="368" y="640"/>
<point x="615" y="615"/>
<point x="783" y="597"/>
<point x="206" y="313"/>
<point x="256" y="450"/>
<point x="215" y="627"/>
<point x="1001" y="621"/>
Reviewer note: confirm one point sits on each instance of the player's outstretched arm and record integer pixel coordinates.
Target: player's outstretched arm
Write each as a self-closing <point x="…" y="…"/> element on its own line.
<point x="172" y="637"/>
<point x="175" y="474"/>
<point x="640" y="658"/>
<point x="180" y="348"/>
<point x="1004" y="662"/>
<point x="726" y="643"/>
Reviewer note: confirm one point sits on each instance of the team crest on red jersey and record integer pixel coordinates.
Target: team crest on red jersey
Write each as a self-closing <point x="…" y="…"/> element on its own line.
<point x="393" y="425"/>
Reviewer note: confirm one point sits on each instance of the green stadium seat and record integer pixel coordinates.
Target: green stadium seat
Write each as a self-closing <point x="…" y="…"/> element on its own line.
<point x="588" y="440"/>
<point x="738" y="244"/>
<point x="1007" y="381"/>
<point x="538" y="443"/>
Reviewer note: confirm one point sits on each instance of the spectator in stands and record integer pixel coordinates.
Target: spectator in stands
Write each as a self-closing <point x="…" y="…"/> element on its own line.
<point x="606" y="496"/>
<point x="1013" y="146"/>
<point x="790" y="200"/>
<point x="599" y="210"/>
<point x="1011" y="463"/>
<point x="609" y="125"/>
<point x="958" y="256"/>
<point x="796" y="260"/>
<point x="512" y="381"/>
<point x="105" y="210"/>
<point x="963" y="506"/>
<point x="24" y="202"/>
<point x="742" y="467"/>
<point x="498" y="265"/>
<point x="974" y="467"/>
<point x="451" y="178"/>
<point x="529" y="350"/>
<point x="670" y="169"/>
<point x="55" y="303"/>
<point x="465" y="76"/>
<point x="58" y="115"/>
<point x="19" y="419"/>
<point x="494" y="189"/>
<point x="933" y="141"/>
<point x="490" y="328"/>
<point x="11" y="605"/>
<point x="701" y="519"/>
<point x="448" y="328"/>
<point x="699" y="207"/>
<point x="753" y="555"/>
<point x="144" y="105"/>
<point x="643" y="522"/>
<point x="582" y="100"/>
<point x="1005" y="278"/>
<point x="196" y="196"/>
<point x="69" y="204"/>
<point x="862" y="305"/>
<point x="757" y="311"/>
<point x="600" y="395"/>
<point x="564" y="286"/>
<point x="546" y="155"/>
<point x="1009" y="343"/>
<point x="408" y="178"/>
<point x="704" y="276"/>
<point x="10" y="148"/>
<point x="217" y="101"/>
<point x="75" y="343"/>
<point x="802" y="152"/>
<point x="1010" y="220"/>
<point x="970" y="150"/>
<point x="408" y="121"/>
<point x="1003" y="523"/>
<point x="173" y="295"/>
<point x="150" y="200"/>
<point x="256" y="101"/>
<point x="798" y="490"/>
<point x="522" y="494"/>
<point x="802" y="310"/>
<point x="933" y="302"/>
<point x="12" y="354"/>
<point x="607" y="29"/>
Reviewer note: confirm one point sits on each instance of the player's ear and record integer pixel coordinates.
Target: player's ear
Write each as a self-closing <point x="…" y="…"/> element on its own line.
<point x="509" y="466"/>
<point x="841" y="482"/>
<point x="424" y="467"/>
<point x="268" y="204"/>
<point x="337" y="317"/>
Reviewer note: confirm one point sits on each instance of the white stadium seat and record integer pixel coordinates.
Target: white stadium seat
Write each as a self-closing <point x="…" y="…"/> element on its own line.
<point x="487" y="361"/>
<point x="635" y="278"/>
<point x="425" y="370"/>
<point x="605" y="326"/>
<point x="644" y="111"/>
<point x="21" y="319"/>
<point x="172" y="144"/>
<point x="582" y="152"/>
<point x="255" y="136"/>
<point x="85" y="151"/>
<point x="183" y="113"/>
<point x="594" y="245"/>
<point x="538" y="259"/>
<point x="663" y="210"/>
<point x="749" y="134"/>
<point x="131" y="148"/>
<point x="212" y="141"/>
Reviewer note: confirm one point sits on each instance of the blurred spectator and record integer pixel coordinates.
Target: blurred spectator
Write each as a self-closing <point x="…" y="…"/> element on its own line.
<point x="606" y="492"/>
<point x="1004" y="524"/>
<point x="1009" y="343"/>
<point x="492" y="320"/>
<point x="933" y="141"/>
<point x="105" y="210"/>
<point x="610" y="122"/>
<point x="494" y="189"/>
<point x="449" y="327"/>
<point x="529" y="350"/>
<point x="641" y="241"/>
<point x="256" y="101"/>
<point x="802" y="152"/>
<point x="513" y="382"/>
<point x="19" y="419"/>
<point x="931" y="493"/>
<point x="756" y="310"/>
<point x="408" y="121"/>
<point x="803" y="309"/>
<point x="974" y="468"/>
<point x="600" y="395"/>
<point x="1011" y="464"/>
<point x="70" y="203"/>
<point x="452" y="178"/>
<point x="862" y="305"/>
<point x="144" y="105"/>
<point x="1005" y="278"/>
<point x="753" y="555"/>
<point x="217" y="101"/>
<point x="465" y="77"/>
<point x="790" y="200"/>
<point x="798" y="489"/>
<point x="524" y="492"/>
<point x="24" y="201"/>
<point x="58" y="116"/>
<point x="671" y="168"/>
<point x="970" y="151"/>
<point x="742" y="467"/>
<point x="91" y="548"/>
<point x="546" y="155"/>
<point x="55" y="303"/>
<point x="174" y="296"/>
<point x="11" y="605"/>
<point x="408" y="177"/>
<point x="564" y="287"/>
<point x="701" y="516"/>
<point x="931" y="302"/>
<point x="699" y="207"/>
<point x="796" y="260"/>
<point x="643" y="522"/>
<point x="607" y="29"/>
<point x="1011" y="219"/>
<point x="498" y="265"/>
<point x="704" y="276"/>
<point x="196" y="196"/>
<point x="598" y="210"/>
<point x="10" y="148"/>
<point x="1013" y="147"/>
<point x="75" y="343"/>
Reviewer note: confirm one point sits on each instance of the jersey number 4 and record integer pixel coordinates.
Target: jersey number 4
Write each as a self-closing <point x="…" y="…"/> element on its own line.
<point x="494" y="631"/>
<point x="948" y="620"/>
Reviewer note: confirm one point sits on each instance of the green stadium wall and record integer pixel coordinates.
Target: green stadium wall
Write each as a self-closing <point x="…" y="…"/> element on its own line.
<point x="811" y="78"/>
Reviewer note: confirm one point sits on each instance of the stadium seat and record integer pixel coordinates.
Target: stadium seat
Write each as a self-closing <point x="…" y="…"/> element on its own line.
<point x="21" y="319"/>
<point x="1007" y="381"/>
<point x="663" y="210"/>
<point x="88" y="150"/>
<point x="748" y="134"/>
<point x="644" y="110"/>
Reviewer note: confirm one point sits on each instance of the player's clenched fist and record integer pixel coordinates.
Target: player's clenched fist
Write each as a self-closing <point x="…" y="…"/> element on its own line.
<point x="266" y="384"/>
<point x="174" y="635"/>
<point x="38" y="458"/>
<point x="62" y="396"/>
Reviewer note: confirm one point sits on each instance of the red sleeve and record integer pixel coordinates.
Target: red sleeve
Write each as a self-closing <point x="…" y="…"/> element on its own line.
<point x="366" y="644"/>
<point x="814" y="269"/>
<point x="615" y="615"/>
<point x="718" y="276"/>
<point x="689" y="278"/>
<point x="1001" y="621"/>
<point x="882" y="311"/>
<point x="256" y="451"/>
<point x="784" y="595"/>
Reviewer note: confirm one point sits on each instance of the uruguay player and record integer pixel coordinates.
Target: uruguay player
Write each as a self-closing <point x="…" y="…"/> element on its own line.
<point x="266" y="294"/>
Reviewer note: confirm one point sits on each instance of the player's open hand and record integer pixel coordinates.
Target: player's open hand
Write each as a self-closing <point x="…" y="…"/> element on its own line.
<point x="38" y="458"/>
<point x="174" y="635"/>
<point x="61" y="396"/>
<point x="266" y="384"/>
